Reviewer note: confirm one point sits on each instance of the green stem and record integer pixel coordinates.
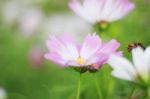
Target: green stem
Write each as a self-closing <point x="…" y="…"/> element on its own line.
<point x="98" y="87"/>
<point x="111" y="85"/>
<point x="148" y="90"/>
<point x="78" y="88"/>
<point x="132" y="92"/>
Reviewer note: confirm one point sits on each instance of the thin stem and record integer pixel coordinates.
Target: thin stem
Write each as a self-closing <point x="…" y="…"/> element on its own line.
<point x="98" y="87"/>
<point x="111" y="85"/>
<point x="78" y="88"/>
<point x="148" y="90"/>
<point x="132" y="92"/>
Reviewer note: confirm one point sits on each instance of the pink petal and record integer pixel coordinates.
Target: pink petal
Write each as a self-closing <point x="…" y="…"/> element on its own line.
<point x="98" y="60"/>
<point x="76" y="7"/>
<point x="120" y="9"/>
<point x="54" y="57"/>
<point x="110" y="47"/>
<point x="90" y="46"/>
<point x="62" y="49"/>
<point x="105" y="52"/>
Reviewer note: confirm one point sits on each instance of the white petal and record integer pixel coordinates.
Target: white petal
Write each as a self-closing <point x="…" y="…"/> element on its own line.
<point x="147" y="57"/>
<point x="122" y="75"/>
<point x="69" y="52"/>
<point x="107" y="9"/>
<point x="81" y="11"/>
<point x="93" y="10"/>
<point x="117" y="62"/>
<point x="140" y="62"/>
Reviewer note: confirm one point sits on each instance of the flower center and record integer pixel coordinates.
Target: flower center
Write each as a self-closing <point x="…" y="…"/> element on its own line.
<point x="93" y="65"/>
<point x="135" y="45"/>
<point x="80" y="60"/>
<point x="103" y="25"/>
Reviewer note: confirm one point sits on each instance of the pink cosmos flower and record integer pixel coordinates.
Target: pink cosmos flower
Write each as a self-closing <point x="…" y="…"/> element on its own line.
<point x="64" y="51"/>
<point x="36" y="57"/>
<point x="30" y="20"/>
<point x="95" y="11"/>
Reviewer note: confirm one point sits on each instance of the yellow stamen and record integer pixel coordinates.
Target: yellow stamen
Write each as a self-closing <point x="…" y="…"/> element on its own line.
<point x="80" y="61"/>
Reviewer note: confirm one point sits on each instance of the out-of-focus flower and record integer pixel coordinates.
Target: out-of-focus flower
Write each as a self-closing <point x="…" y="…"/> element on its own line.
<point x="10" y="12"/>
<point x="2" y="94"/>
<point x="138" y="71"/>
<point x="14" y="9"/>
<point x="36" y="57"/>
<point x="64" y="51"/>
<point x="101" y="11"/>
<point x="30" y="21"/>
<point x="73" y="25"/>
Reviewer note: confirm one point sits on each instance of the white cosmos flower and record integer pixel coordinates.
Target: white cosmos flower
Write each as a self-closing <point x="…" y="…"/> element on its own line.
<point x="12" y="9"/>
<point x="10" y="12"/>
<point x="95" y="11"/>
<point x="138" y="70"/>
<point x="2" y="94"/>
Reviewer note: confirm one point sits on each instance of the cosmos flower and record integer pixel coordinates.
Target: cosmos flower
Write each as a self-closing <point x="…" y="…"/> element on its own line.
<point x="97" y="11"/>
<point x="30" y="21"/>
<point x="3" y="94"/>
<point x="36" y="57"/>
<point x="137" y="71"/>
<point x="64" y="51"/>
<point x="10" y="12"/>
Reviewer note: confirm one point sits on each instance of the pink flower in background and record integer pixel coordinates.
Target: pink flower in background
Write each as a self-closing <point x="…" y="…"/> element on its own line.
<point x="36" y="57"/>
<point x="96" y="11"/>
<point x="64" y="51"/>
<point x="30" y="20"/>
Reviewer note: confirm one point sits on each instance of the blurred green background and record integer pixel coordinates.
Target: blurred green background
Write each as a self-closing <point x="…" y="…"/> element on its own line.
<point x="23" y="79"/>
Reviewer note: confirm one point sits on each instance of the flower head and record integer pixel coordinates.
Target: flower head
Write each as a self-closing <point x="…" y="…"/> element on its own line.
<point x="97" y="11"/>
<point x="36" y="57"/>
<point x="137" y="71"/>
<point x="30" y="21"/>
<point x="64" y="51"/>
